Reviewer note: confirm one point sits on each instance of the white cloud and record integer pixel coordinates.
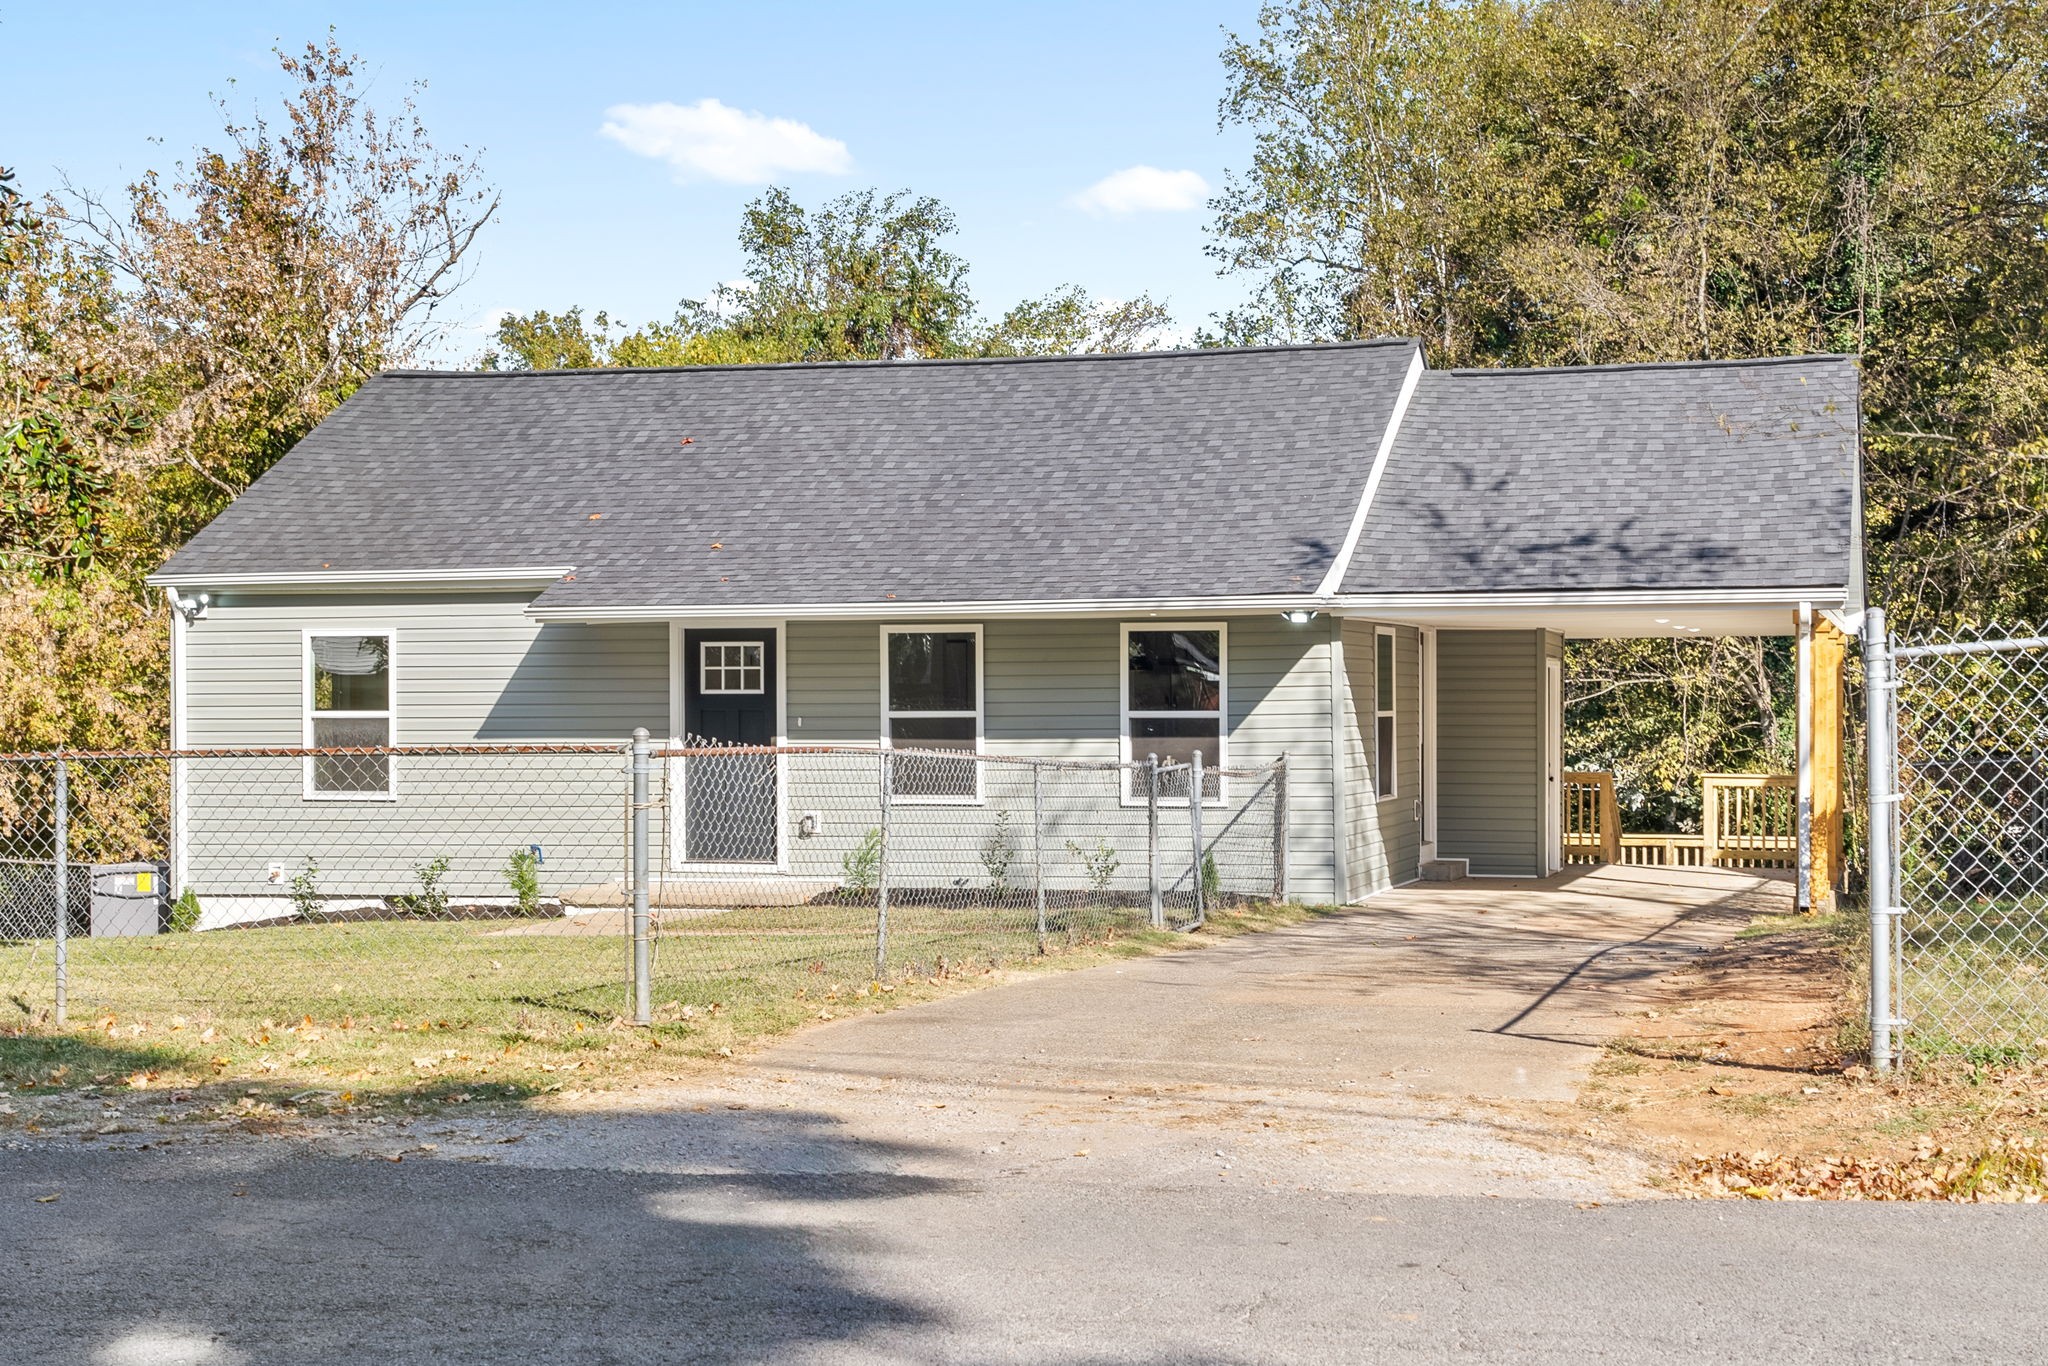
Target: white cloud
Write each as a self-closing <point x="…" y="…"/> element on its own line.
<point x="709" y="140"/>
<point x="1143" y="189"/>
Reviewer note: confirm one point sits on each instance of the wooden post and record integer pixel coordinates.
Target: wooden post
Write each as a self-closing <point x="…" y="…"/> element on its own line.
<point x="1710" y="821"/>
<point x="1610" y="822"/>
<point x="1826" y="872"/>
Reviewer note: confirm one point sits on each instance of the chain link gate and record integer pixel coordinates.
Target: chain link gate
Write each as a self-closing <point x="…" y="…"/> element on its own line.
<point x="1959" y="816"/>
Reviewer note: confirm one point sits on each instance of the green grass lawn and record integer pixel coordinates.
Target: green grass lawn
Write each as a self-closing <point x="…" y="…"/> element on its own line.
<point x="411" y="1011"/>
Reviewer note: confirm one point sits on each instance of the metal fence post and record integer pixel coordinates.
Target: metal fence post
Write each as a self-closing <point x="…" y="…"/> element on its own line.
<point x="882" y="873"/>
<point x="1280" y="829"/>
<point x="1038" y="846"/>
<point x="1152" y="840"/>
<point x="62" y="860"/>
<point x="1195" y="836"/>
<point x="643" y="1004"/>
<point x="1882" y="831"/>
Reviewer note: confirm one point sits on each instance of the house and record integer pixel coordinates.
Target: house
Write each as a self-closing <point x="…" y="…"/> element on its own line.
<point x="1327" y="552"/>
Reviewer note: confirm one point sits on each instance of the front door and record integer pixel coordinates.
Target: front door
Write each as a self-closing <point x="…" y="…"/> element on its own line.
<point x="729" y="800"/>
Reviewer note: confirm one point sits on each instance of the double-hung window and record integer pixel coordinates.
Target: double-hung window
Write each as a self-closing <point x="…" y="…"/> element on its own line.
<point x="349" y="705"/>
<point x="1173" y="705"/>
<point x="1386" y="770"/>
<point x="931" y="701"/>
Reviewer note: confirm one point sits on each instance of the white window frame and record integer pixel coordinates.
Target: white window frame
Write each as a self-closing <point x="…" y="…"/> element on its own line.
<point x="1222" y="712"/>
<point x="890" y="715"/>
<point x="389" y="716"/>
<point x="760" y="668"/>
<point x="1386" y="709"/>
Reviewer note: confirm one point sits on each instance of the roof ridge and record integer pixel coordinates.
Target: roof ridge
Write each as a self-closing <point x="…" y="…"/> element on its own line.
<point x="1730" y="363"/>
<point x="1183" y="352"/>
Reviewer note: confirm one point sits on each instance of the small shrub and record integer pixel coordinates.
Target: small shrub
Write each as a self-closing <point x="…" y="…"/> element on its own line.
<point x="432" y="898"/>
<point x="307" y="902"/>
<point x="1212" y="881"/>
<point x="862" y="864"/>
<point x="997" y="853"/>
<point x="522" y="875"/>
<point x="1100" y="862"/>
<point x="185" y="912"/>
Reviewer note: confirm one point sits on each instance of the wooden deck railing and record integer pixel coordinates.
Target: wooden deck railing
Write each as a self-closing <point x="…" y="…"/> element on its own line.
<point x="1750" y="821"/>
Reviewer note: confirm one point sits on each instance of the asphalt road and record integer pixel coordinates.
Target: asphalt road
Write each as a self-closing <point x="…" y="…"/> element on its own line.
<point x="253" y="1253"/>
<point x="1352" y="1141"/>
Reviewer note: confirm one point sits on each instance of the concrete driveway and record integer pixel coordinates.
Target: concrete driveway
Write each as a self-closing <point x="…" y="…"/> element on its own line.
<point x="1374" y="1050"/>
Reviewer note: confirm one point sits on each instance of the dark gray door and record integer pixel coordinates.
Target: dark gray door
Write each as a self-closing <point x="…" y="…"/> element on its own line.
<point x="729" y="800"/>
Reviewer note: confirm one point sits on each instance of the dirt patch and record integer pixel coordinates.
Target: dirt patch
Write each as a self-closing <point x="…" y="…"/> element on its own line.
<point x="1741" y="1078"/>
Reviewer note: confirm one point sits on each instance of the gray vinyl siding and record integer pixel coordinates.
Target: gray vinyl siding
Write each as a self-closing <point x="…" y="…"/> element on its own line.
<point x="1383" y="837"/>
<point x="469" y="668"/>
<point x="474" y="668"/>
<point x="1490" y="749"/>
<point x="1052" y="689"/>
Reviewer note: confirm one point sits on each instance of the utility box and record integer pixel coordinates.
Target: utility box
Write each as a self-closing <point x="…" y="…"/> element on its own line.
<point x="129" y="899"/>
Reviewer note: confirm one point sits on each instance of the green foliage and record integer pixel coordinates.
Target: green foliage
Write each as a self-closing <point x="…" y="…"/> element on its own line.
<point x="1101" y="865"/>
<point x="1212" y="881"/>
<point x="997" y="853"/>
<point x="185" y="912"/>
<point x="861" y="866"/>
<point x="307" y="900"/>
<point x="522" y="875"/>
<point x="431" y="900"/>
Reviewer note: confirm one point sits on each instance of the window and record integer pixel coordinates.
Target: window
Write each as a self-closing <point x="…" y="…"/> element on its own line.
<point x="1386" y="774"/>
<point x="932" y="701"/>
<point x="348" y="706"/>
<point x="1173" y="690"/>
<point x="730" y="666"/>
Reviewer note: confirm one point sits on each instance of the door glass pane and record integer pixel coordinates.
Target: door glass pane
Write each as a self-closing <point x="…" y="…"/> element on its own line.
<point x="930" y="775"/>
<point x="1175" y="739"/>
<point x="351" y="673"/>
<point x="1385" y="680"/>
<point x="1176" y="670"/>
<point x="1384" y="742"/>
<point x="351" y="772"/>
<point x="931" y="671"/>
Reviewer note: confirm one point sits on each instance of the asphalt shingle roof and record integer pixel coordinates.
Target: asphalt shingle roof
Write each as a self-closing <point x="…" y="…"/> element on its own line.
<point x="1689" y="476"/>
<point x="1162" y="475"/>
<point x="1205" y="473"/>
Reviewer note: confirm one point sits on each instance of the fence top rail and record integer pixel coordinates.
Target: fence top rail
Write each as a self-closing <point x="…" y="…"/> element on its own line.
<point x="613" y="749"/>
<point x="1969" y="647"/>
<point x="1751" y="779"/>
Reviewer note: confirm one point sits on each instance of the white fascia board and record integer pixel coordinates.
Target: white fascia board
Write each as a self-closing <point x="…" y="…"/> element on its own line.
<point x="1334" y="580"/>
<point x="907" y="611"/>
<point x="519" y="576"/>
<point x="1362" y="603"/>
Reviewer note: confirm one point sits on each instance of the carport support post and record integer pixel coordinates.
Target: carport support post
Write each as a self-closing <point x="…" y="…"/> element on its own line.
<point x="1877" y="687"/>
<point x="1038" y="847"/>
<point x="62" y="861"/>
<point x="882" y="870"/>
<point x="1152" y="840"/>
<point x="643" y="1005"/>
<point x="1195" y="835"/>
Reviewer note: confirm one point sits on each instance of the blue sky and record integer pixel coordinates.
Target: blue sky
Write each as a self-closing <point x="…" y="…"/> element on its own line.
<point x="1007" y="113"/>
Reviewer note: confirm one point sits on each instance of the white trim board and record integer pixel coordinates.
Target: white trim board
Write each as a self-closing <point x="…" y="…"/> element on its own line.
<point x="1333" y="581"/>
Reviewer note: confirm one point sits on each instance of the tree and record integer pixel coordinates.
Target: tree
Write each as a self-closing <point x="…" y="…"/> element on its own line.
<point x="274" y="276"/>
<point x="865" y="277"/>
<point x="1583" y="181"/>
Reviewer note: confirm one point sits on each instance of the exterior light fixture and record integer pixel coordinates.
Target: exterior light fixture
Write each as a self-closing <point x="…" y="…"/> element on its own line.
<point x="192" y="609"/>
<point x="1300" y="616"/>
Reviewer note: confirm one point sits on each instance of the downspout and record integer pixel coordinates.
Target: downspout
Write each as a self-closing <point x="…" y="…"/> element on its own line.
<point x="1803" y="740"/>
<point x="1340" y="712"/>
<point x="178" y="860"/>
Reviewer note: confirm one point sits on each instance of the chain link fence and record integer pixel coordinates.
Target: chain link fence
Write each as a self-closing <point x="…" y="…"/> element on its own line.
<point x="612" y="880"/>
<point x="1959" y="726"/>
